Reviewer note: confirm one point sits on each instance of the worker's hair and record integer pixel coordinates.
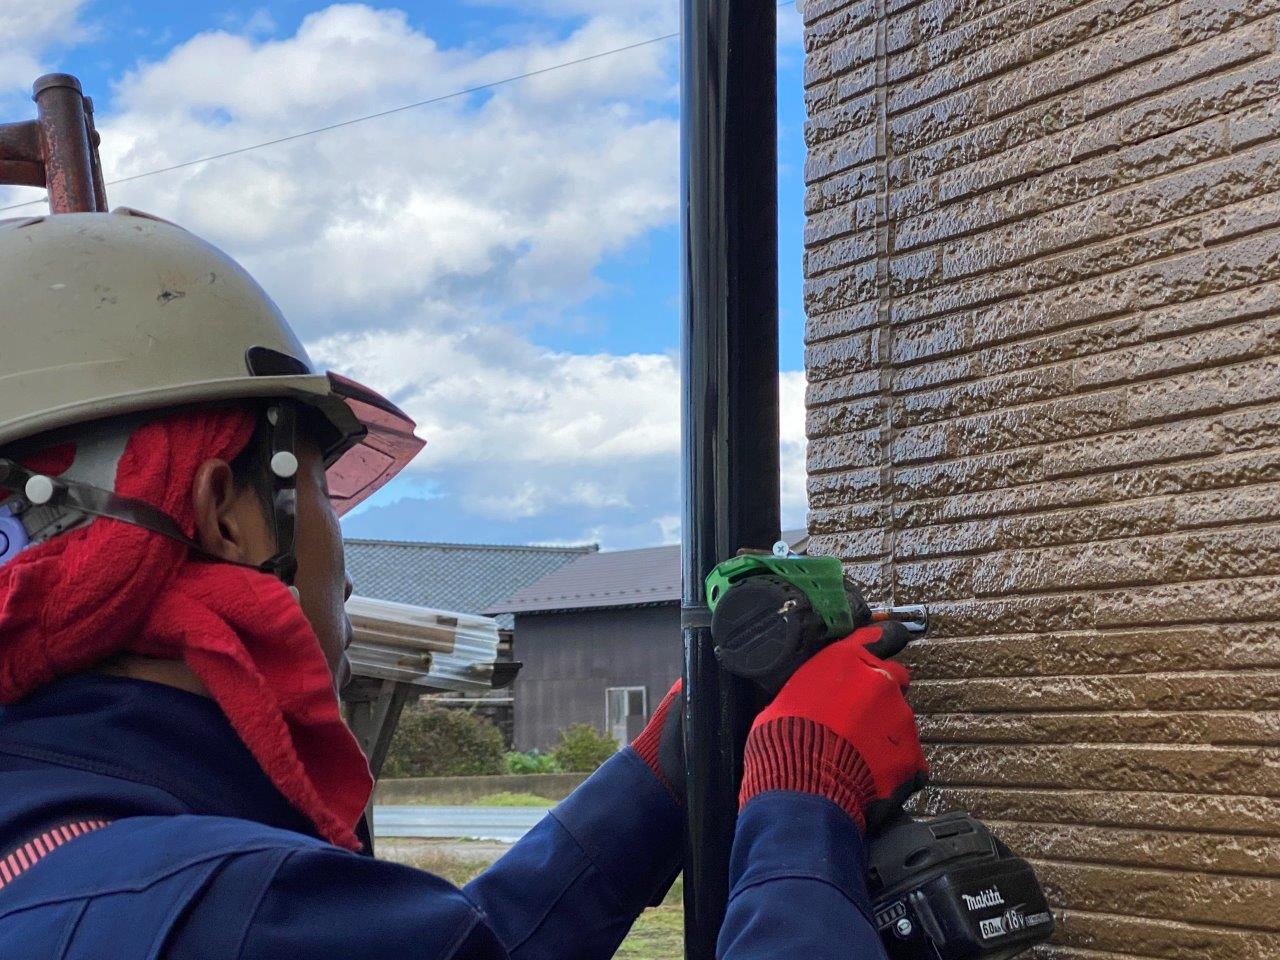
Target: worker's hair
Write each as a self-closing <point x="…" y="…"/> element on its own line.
<point x="251" y="470"/>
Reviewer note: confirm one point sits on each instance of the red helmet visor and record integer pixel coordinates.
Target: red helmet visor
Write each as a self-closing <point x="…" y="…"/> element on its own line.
<point x="387" y="446"/>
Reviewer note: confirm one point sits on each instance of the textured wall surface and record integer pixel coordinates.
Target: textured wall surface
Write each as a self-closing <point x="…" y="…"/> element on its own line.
<point x="1043" y="254"/>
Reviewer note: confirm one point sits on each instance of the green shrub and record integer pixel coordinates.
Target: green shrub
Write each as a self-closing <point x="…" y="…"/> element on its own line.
<point x="438" y="742"/>
<point x="532" y="761"/>
<point x="582" y="748"/>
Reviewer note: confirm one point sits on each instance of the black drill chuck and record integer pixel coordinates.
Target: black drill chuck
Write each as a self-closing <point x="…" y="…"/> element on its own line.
<point x="765" y="627"/>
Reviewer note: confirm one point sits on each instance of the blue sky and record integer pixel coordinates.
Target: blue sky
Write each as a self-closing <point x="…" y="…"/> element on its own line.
<point x="504" y="264"/>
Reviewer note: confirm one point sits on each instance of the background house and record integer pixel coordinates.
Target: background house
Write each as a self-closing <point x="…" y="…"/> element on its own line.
<point x="600" y="641"/>
<point x="1043" y="357"/>
<point x="467" y="578"/>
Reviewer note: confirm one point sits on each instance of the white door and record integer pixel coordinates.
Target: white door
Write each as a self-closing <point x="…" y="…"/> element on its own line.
<point x="623" y="706"/>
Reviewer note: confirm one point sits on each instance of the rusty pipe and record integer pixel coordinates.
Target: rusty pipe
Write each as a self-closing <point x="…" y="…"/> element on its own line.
<point x="64" y="144"/>
<point x="99" y="184"/>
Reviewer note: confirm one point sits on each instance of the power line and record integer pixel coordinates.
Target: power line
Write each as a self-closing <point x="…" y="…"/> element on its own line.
<point x="372" y="116"/>
<point x="382" y="113"/>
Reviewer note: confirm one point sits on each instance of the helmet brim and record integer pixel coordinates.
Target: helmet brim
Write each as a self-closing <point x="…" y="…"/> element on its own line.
<point x="370" y="455"/>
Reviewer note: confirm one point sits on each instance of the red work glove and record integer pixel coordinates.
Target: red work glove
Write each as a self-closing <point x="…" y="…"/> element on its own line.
<point x="839" y="728"/>
<point x="661" y="742"/>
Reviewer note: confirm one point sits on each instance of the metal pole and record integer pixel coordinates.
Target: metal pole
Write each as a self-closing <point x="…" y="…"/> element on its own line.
<point x="64" y="134"/>
<point x="730" y="395"/>
<point x="95" y="140"/>
<point x="59" y="150"/>
<point x="20" y="159"/>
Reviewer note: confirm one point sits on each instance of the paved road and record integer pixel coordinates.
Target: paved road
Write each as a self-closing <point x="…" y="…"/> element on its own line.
<point x="507" y="824"/>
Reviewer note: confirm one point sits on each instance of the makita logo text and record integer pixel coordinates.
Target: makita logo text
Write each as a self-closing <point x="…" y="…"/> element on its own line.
<point x="987" y="898"/>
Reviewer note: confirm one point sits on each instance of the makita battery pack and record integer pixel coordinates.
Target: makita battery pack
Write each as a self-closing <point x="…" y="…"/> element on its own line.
<point x="948" y="889"/>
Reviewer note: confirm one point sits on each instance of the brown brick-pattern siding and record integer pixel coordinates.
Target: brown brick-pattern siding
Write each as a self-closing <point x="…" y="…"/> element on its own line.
<point x="1043" y="288"/>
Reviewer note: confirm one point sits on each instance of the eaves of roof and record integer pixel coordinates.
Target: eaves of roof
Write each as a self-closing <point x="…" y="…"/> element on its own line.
<point x="611" y="578"/>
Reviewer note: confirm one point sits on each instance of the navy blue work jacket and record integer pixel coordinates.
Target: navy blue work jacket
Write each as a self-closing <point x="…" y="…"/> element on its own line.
<point x="205" y="860"/>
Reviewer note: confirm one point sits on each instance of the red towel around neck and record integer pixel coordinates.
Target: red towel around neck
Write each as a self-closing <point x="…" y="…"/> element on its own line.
<point x="68" y="604"/>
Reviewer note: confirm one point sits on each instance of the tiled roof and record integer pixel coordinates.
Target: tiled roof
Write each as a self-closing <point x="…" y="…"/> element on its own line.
<point x="464" y="577"/>
<point x="613" y="578"/>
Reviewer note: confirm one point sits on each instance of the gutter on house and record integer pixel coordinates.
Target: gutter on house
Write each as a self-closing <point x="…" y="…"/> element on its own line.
<point x="730" y="397"/>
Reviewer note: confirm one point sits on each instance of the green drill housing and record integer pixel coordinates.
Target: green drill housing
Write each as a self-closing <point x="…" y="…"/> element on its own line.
<point x="821" y="579"/>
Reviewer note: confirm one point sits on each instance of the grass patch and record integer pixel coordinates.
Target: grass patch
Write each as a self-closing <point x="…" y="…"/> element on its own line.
<point x="658" y="933"/>
<point x="508" y="799"/>
<point x="457" y="870"/>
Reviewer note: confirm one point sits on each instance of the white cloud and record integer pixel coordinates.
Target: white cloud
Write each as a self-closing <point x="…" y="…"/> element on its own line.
<point x="27" y="31"/>
<point x="535" y="430"/>
<point x="504" y="203"/>
<point x="795" y="495"/>
<point x="409" y="249"/>
<point x="412" y="250"/>
<point x="260" y="22"/>
<point x="492" y="398"/>
<point x="669" y="527"/>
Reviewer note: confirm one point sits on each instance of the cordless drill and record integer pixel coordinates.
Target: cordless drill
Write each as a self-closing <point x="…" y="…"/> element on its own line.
<point x="942" y="889"/>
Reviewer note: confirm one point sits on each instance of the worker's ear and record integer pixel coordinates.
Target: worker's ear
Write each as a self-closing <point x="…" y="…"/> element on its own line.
<point x="231" y="522"/>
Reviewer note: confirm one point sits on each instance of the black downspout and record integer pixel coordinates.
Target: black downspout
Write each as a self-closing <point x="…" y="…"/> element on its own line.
<point x="730" y="394"/>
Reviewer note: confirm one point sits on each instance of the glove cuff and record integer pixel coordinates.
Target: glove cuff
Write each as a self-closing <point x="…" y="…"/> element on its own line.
<point x="648" y="743"/>
<point x="796" y="753"/>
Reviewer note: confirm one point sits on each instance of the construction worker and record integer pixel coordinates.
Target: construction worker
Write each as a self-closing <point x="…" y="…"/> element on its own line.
<point x="176" y="781"/>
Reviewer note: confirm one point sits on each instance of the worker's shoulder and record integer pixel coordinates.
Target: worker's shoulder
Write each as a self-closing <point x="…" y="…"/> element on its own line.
<point x="218" y="887"/>
<point x="188" y="838"/>
<point x="134" y="855"/>
<point x="316" y="900"/>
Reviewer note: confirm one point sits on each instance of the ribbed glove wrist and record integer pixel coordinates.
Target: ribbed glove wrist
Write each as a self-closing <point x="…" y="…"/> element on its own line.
<point x="840" y="728"/>
<point x="661" y="743"/>
<point x="795" y="753"/>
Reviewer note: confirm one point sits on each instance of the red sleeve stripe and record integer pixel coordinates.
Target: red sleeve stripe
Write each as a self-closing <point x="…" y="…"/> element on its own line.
<point x="24" y="857"/>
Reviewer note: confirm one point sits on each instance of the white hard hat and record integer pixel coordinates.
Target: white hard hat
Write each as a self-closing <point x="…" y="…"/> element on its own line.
<point x="105" y="314"/>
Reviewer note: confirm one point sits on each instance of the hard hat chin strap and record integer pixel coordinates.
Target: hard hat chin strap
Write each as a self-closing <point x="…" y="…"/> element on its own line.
<point x="37" y="491"/>
<point x="282" y="428"/>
